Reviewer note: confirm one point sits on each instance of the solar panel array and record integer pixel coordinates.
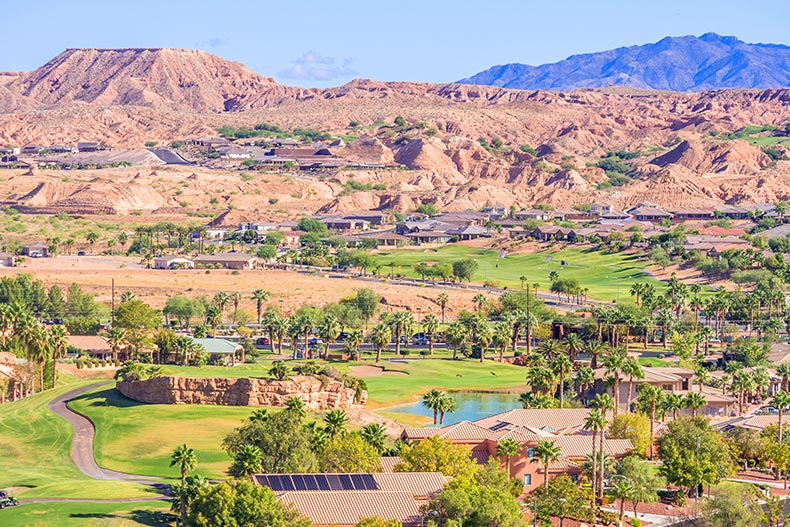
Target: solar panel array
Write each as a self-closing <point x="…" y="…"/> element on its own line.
<point x="291" y="482"/>
<point x="499" y="426"/>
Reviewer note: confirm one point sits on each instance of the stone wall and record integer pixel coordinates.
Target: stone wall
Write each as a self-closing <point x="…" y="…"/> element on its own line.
<point x="242" y="392"/>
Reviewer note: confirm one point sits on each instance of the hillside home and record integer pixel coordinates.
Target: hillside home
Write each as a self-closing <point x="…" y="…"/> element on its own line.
<point x="173" y="262"/>
<point x="682" y="215"/>
<point x="496" y="212"/>
<point x="345" y="223"/>
<point x="468" y="232"/>
<point x="95" y="346"/>
<point x="236" y="261"/>
<point x="598" y="209"/>
<point x="7" y="260"/>
<point x="210" y="142"/>
<point x="732" y="213"/>
<point x="386" y="238"/>
<point x="532" y="214"/>
<point x="563" y="427"/>
<point x="649" y="213"/>
<point x="36" y="250"/>
<point x="90" y="146"/>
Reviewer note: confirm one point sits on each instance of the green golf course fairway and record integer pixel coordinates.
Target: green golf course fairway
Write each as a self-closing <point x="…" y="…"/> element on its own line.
<point x="86" y="514"/>
<point x="36" y="453"/>
<point x="139" y="438"/>
<point x="602" y="273"/>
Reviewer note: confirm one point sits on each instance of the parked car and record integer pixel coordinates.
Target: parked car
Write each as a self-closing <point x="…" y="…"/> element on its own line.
<point x="262" y="341"/>
<point x="420" y="341"/>
<point x="80" y="253"/>
<point x="342" y="336"/>
<point x="315" y="341"/>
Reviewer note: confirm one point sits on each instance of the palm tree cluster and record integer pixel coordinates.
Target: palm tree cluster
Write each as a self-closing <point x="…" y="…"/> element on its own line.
<point x="440" y="403"/>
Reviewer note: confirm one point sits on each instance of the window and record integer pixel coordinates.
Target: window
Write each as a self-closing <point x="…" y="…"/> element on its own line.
<point x="527" y="480"/>
<point x="574" y="477"/>
<point x="530" y="452"/>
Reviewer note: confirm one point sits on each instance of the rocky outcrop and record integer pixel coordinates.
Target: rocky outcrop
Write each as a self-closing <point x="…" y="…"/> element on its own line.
<point x="315" y="394"/>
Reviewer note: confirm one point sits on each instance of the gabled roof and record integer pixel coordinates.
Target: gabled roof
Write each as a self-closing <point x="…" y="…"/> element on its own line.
<point x="218" y="346"/>
<point x="225" y="257"/>
<point x="89" y="342"/>
<point x="461" y="431"/>
<point x="349" y="507"/>
<point x="648" y="211"/>
<point x="559" y="419"/>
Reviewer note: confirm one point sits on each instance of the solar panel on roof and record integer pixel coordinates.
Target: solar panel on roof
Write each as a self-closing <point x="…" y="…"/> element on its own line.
<point x="369" y="482"/>
<point x="498" y="426"/>
<point x="356" y="481"/>
<point x="299" y="482"/>
<point x="310" y="481"/>
<point x="345" y="482"/>
<point x="322" y="482"/>
<point x="334" y="482"/>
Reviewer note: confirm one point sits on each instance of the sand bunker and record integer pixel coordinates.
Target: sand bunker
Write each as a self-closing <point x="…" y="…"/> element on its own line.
<point x="372" y="371"/>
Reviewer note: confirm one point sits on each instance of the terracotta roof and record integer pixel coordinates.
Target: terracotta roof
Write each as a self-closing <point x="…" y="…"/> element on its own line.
<point x="563" y="465"/>
<point x="461" y="431"/>
<point x="89" y="342"/>
<point x="758" y="422"/>
<point x="558" y="419"/>
<point x="418" y="484"/>
<point x="225" y="257"/>
<point x="349" y="507"/>
<point x="480" y="456"/>
<point x="388" y="463"/>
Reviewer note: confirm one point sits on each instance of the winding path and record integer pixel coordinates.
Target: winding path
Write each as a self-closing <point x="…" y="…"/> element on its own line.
<point x="82" y="454"/>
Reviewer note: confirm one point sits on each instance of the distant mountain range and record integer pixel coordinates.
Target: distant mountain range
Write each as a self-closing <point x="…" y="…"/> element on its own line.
<point x="687" y="63"/>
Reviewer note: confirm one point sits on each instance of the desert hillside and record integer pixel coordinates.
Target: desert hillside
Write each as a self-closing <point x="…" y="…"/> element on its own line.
<point x="461" y="145"/>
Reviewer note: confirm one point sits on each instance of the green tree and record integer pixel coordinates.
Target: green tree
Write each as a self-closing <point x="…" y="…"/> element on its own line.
<point x="733" y="505"/>
<point x="430" y="324"/>
<point x="562" y="499"/>
<point x="240" y="503"/>
<point x="246" y="462"/>
<point x="335" y="422"/>
<point x="367" y="302"/>
<point x="138" y="321"/>
<point x="634" y="427"/>
<point x="693" y="454"/>
<point x="279" y="370"/>
<point x="464" y="269"/>
<point x="645" y="481"/>
<point x="349" y="453"/>
<point x="436" y="454"/>
<point x="375" y="435"/>
<point x="433" y="401"/>
<point x="380" y="338"/>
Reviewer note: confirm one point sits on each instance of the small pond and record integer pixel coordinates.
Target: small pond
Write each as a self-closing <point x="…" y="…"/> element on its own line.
<point x="471" y="406"/>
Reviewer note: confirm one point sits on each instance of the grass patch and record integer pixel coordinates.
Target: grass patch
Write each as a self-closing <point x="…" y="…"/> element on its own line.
<point x="36" y="453"/>
<point x="139" y="438"/>
<point x="88" y="514"/>
<point x="604" y="274"/>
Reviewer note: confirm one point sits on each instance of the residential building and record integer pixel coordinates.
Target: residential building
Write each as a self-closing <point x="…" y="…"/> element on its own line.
<point x="36" y="250"/>
<point x="562" y="426"/>
<point x="343" y="500"/>
<point x="387" y="238"/>
<point x="496" y="212"/>
<point x="682" y="215"/>
<point x="237" y="261"/>
<point x="90" y="146"/>
<point x="345" y="223"/>
<point x="222" y="351"/>
<point x="468" y="232"/>
<point x="7" y="260"/>
<point x="210" y="142"/>
<point x="649" y="213"/>
<point x="173" y="262"/>
<point x="96" y="346"/>
<point x="599" y="209"/>
<point x="532" y="214"/>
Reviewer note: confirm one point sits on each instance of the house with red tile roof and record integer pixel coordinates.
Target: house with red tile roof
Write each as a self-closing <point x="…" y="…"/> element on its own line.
<point x="562" y="426"/>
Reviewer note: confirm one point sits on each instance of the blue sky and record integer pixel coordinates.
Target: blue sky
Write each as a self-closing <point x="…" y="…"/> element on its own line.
<point x="327" y="43"/>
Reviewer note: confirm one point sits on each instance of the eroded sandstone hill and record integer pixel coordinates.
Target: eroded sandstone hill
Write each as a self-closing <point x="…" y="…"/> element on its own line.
<point x="681" y="148"/>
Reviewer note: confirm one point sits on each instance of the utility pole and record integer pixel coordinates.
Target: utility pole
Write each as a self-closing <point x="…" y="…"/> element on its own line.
<point x="112" y="313"/>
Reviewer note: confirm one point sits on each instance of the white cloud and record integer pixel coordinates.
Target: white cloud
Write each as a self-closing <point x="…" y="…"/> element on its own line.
<point x="312" y="66"/>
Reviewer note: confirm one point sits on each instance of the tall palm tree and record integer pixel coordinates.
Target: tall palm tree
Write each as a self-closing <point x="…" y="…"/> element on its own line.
<point x="329" y="330"/>
<point x="501" y="338"/>
<point x="430" y="324"/>
<point x="649" y="397"/>
<point x="235" y="298"/>
<point x="448" y="404"/>
<point x="270" y="323"/>
<point x="701" y="375"/>
<point x="184" y="458"/>
<point x="546" y="453"/>
<point x="335" y="422"/>
<point x="432" y="400"/>
<point x="783" y="370"/>
<point x="484" y="337"/>
<point x="573" y="345"/>
<point x="221" y="300"/>
<point x="58" y="344"/>
<point x="742" y="383"/>
<point x="695" y="401"/>
<point x="561" y="366"/>
<point x="550" y="348"/>
<point x="614" y="363"/>
<point x="596" y="423"/>
<point x="508" y="448"/>
<point x="380" y="338"/>
<point x="541" y="380"/>
<point x="781" y="401"/>
<point x="456" y="336"/>
<point x="247" y="461"/>
<point x="479" y="300"/>
<point x="673" y="402"/>
<point x="604" y="403"/>
<point x="353" y="342"/>
<point x="402" y="323"/>
<point x="594" y="348"/>
<point x="260" y="296"/>
<point x="633" y="370"/>
<point x="584" y="379"/>
<point x="443" y="299"/>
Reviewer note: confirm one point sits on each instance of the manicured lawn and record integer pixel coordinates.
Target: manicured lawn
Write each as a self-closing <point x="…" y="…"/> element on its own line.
<point x="424" y="375"/>
<point x="139" y="438"/>
<point x="603" y="274"/>
<point x="35" y="451"/>
<point x="87" y="514"/>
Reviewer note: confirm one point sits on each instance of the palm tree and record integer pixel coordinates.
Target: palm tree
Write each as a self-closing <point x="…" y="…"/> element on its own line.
<point x="614" y="363"/>
<point x="742" y="383"/>
<point x="375" y="435"/>
<point x="546" y="452"/>
<point x="673" y="402"/>
<point x="402" y="323"/>
<point x="633" y="370"/>
<point x="701" y="375"/>
<point x="550" y="348"/>
<point x="430" y="324"/>
<point x="479" y="300"/>
<point x="605" y="403"/>
<point x="484" y="337"/>
<point x="353" y="342"/>
<point x="235" y="297"/>
<point x="279" y="370"/>
<point x="541" y="380"/>
<point x="380" y="338"/>
<point x="783" y="370"/>
<point x="335" y="422"/>
<point x="329" y="330"/>
<point x="58" y="344"/>
<point x="443" y="300"/>
<point x="561" y="366"/>
<point x="184" y="458"/>
<point x="432" y="401"/>
<point x="270" y="323"/>
<point x="260" y="296"/>
<point x="584" y="379"/>
<point x="456" y="336"/>
<point x="448" y="404"/>
<point x="594" y="348"/>
<point x="694" y="400"/>
<point x="622" y="491"/>
<point x="508" y="448"/>
<point x="781" y="401"/>
<point x="247" y="461"/>
<point x="573" y="345"/>
<point x="221" y="300"/>
<point x="501" y="338"/>
<point x="596" y="423"/>
<point x="296" y="406"/>
<point x="649" y="397"/>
